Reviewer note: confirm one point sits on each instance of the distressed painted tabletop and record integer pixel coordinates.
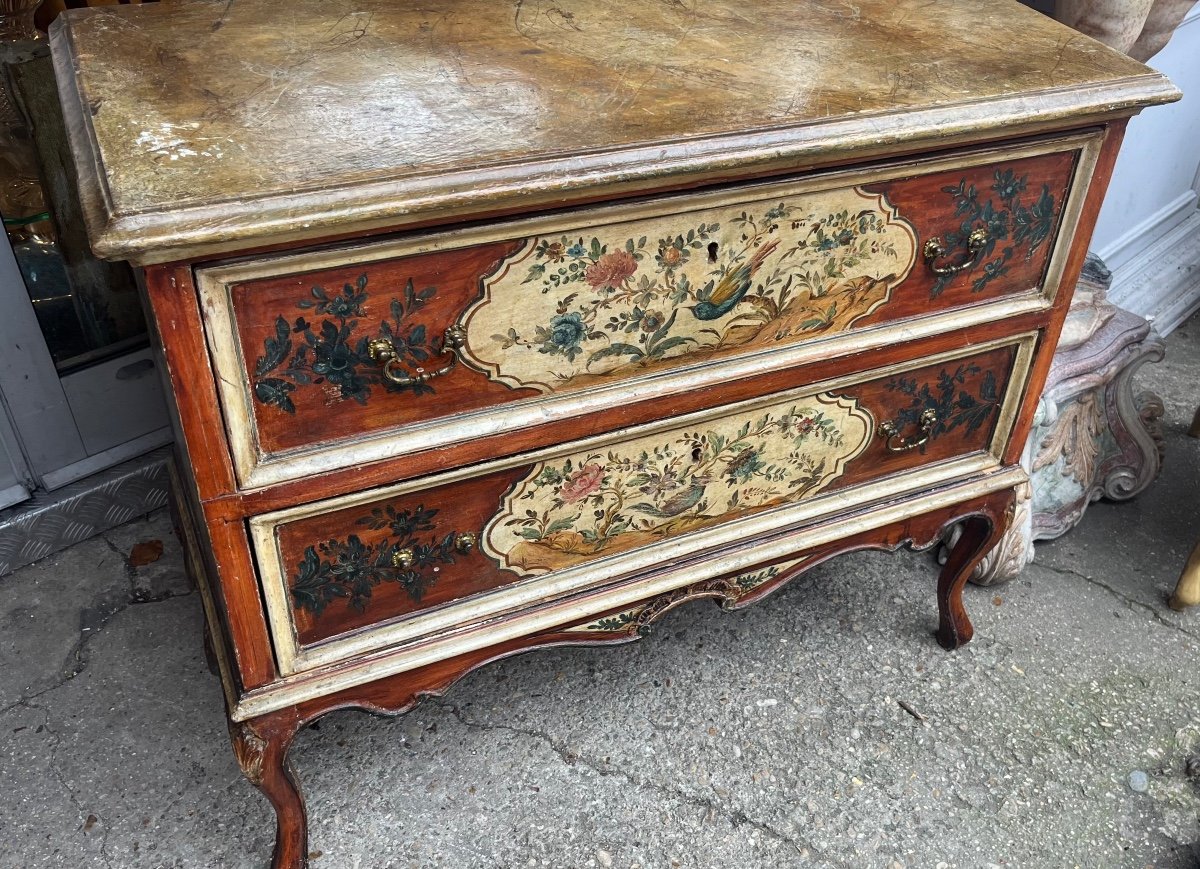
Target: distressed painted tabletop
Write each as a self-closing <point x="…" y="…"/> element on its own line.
<point x="203" y="125"/>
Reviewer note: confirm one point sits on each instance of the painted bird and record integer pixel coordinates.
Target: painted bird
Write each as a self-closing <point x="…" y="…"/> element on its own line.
<point x="735" y="284"/>
<point x="676" y="504"/>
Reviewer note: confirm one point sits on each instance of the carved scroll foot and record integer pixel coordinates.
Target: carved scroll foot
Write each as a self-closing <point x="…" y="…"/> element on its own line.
<point x="980" y="534"/>
<point x="1187" y="590"/>
<point x="261" y="747"/>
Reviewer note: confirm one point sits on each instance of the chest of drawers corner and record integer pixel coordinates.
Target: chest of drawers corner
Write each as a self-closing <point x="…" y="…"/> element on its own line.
<point x="506" y="352"/>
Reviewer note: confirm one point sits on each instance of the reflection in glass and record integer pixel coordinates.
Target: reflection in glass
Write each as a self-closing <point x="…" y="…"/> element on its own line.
<point x="87" y="310"/>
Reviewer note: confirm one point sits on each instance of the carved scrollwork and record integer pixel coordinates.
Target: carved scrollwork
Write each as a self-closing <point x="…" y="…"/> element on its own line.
<point x="250" y="749"/>
<point x="724" y="591"/>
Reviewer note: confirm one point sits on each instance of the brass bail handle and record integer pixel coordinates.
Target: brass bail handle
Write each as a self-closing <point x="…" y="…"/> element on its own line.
<point x="902" y="445"/>
<point x="935" y="250"/>
<point x="383" y="352"/>
<point x="464" y="543"/>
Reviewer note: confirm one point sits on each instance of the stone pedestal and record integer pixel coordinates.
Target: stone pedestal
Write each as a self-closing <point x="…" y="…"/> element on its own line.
<point x="1093" y="436"/>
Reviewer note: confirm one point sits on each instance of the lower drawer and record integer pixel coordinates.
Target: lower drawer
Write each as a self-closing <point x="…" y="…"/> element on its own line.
<point x="369" y="570"/>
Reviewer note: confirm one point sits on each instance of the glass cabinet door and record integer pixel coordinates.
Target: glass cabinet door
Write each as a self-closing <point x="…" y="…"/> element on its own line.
<point x="77" y="378"/>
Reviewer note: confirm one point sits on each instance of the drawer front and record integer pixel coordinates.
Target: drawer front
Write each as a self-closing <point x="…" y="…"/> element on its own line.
<point x="443" y="545"/>
<point x="409" y="338"/>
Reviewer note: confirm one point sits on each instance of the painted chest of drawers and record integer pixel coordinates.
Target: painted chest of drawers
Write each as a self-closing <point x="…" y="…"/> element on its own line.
<point x="498" y="325"/>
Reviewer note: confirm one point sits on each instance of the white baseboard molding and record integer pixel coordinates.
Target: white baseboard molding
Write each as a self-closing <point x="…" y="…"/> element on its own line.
<point x="1131" y="243"/>
<point x="1162" y="282"/>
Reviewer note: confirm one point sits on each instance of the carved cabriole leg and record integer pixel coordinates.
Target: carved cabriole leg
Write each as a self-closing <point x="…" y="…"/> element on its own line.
<point x="980" y="533"/>
<point x="261" y="747"/>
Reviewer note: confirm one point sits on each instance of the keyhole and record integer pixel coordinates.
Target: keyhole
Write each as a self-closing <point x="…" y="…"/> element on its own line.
<point x="697" y="454"/>
<point x="712" y="252"/>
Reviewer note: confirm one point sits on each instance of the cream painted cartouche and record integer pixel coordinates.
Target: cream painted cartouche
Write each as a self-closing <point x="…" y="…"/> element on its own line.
<point x="643" y="490"/>
<point x="578" y="305"/>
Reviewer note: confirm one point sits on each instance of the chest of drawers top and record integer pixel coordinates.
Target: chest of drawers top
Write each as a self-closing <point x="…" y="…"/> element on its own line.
<point x="205" y="128"/>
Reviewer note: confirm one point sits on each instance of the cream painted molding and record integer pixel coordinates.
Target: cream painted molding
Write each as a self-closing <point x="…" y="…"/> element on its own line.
<point x="1132" y="243"/>
<point x="1162" y="283"/>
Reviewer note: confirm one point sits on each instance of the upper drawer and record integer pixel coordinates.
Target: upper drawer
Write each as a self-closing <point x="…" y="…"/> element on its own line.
<point x="368" y="570"/>
<point x="428" y="341"/>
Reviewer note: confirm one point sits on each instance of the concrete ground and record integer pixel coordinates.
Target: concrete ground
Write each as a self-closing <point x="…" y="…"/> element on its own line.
<point x="774" y="737"/>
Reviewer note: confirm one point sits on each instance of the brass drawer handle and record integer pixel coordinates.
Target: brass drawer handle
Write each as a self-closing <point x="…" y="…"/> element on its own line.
<point x="383" y="352"/>
<point x="888" y="430"/>
<point x="464" y="542"/>
<point x="935" y="250"/>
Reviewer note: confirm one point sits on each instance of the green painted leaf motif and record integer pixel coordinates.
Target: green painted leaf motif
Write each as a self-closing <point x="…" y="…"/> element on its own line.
<point x="274" y="391"/>
<point x="954" y="405"/>
<point x="352" y="568"/>
<point x="329" y="354"/>
<point x="617" y="349"/>
<point x="1029" y="227"/>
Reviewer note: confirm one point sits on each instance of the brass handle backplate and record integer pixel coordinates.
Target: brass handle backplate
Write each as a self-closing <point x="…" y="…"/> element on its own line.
<point x="464" y="543"/>
<point x="897" y="444"/>
<point x="383" y="352"/>
<point x="935" y="250"/>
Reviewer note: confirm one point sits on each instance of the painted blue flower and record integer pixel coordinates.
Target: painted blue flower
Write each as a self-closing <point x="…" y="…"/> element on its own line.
<point x="577" y="249"/>
<point x="566" y="333"/>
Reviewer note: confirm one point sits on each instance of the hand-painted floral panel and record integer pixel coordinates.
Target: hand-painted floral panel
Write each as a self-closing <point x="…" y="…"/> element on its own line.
<point x="569" y="309"/>
<point x="354" y="562"/>
<point x="577" y="307"/>
<point x="646" y="489"/>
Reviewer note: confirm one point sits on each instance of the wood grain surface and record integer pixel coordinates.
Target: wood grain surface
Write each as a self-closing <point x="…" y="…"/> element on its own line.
<point x="206" y="126"/>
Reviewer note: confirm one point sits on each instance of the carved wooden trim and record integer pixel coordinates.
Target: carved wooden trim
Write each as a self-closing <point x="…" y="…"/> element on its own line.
<point x="250" y="749"/>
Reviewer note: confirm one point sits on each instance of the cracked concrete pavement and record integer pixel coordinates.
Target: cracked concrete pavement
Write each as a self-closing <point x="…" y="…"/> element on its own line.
<point x="823" y="727"/>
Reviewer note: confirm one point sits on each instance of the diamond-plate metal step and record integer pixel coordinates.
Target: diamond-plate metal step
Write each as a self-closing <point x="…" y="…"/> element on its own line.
<point x="51" y="521"/>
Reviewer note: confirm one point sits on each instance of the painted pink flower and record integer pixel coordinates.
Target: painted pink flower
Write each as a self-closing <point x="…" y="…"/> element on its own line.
<point x="582" y="483"/>
<point x="611" y="270"/>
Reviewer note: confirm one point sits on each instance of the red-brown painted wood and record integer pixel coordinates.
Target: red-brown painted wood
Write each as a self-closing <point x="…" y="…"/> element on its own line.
<point x="179" y="330"/>
<point x="261" y="744"/>
<point x="322" y="411"/>
<point x="360" y="541"/>
<point x="1101" y="175"/>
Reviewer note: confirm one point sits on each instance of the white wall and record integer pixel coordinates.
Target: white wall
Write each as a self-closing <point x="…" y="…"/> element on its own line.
<point x="1149" y="228"/>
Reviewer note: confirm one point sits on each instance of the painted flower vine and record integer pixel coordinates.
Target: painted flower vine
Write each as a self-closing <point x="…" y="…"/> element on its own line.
<point x="333" y="351"/>
<point x="1022" y="224"/>
<point x="762" y="276"/>
<point x="743" y="583"/>
<point x="350" y="568"/>
<point x="591" y="503"/>
<point x="949" y="398"/>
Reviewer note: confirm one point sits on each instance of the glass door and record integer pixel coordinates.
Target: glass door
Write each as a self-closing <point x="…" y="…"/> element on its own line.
<point x="78" y="382"/>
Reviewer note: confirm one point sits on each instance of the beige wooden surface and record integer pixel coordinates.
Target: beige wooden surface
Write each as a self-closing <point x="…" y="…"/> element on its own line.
<point x="210" y="125"/>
